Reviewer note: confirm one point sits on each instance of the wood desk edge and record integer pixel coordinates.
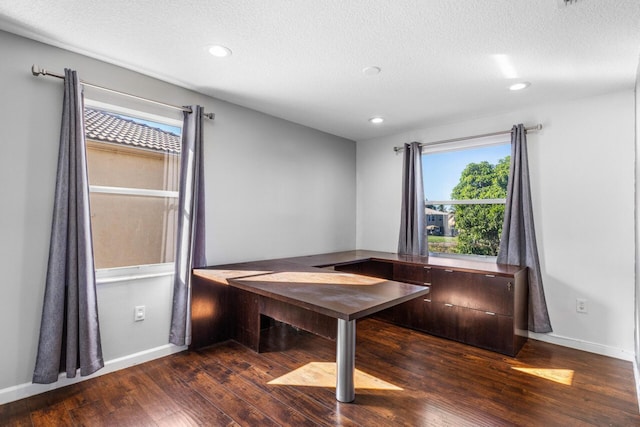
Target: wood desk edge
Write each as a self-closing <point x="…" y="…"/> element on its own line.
<point x="253" y="268"/>
<point x="438" y="262"/>
<point x="415" y="292"/>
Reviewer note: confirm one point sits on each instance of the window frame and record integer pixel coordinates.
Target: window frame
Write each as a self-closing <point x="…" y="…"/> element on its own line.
<point x="460" y="145"/>
<point x="142" y="271"/>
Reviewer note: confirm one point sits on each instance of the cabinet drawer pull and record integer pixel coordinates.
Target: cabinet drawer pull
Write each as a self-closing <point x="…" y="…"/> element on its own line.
<point x="426" y="300"/>
<point x="427" y="283"/>
<point x="448" y="271"/>
<point x="489" y="275"/>
<point x="509" y="286"/>
<point x="427" y="268"/>
<point x="490" y="313"/>
<point x="448" y="305"/>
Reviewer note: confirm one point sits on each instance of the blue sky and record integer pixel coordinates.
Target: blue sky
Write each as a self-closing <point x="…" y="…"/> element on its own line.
<point x="168" y="128"/>
<point x="441" y="171"/>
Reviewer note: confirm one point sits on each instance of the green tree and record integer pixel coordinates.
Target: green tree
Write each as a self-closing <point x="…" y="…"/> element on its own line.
<point x="480" y="226"/>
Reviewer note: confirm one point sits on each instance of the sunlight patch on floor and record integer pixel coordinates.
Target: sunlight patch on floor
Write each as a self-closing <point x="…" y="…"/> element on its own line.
<point x="323" y="374"/>
<point x="562" y="376"/>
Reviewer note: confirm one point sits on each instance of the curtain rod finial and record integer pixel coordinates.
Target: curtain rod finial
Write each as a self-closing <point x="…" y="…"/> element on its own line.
<point x="36" y="71"/>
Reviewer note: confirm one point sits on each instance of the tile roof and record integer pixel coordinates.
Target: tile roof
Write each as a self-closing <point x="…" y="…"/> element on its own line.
<point x="107" y="127"/>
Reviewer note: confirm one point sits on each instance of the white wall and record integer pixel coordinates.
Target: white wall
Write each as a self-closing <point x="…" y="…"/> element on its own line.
<point x="582" y="178"/>
<point x="276" y="189"/>
<point x="637" y="230"/>
<point x="273" y="189"/>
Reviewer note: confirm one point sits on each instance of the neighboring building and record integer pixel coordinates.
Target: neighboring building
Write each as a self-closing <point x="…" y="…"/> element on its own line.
<point x="133" y="169"/>
<point x="440" y="223"/>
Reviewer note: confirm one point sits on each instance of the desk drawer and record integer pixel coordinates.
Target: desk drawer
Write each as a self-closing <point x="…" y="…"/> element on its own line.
<point x="490" y="331"/>
<point x="417" y="313"/>
<point x="484" y="292"/>
<point x="416" y="274"/>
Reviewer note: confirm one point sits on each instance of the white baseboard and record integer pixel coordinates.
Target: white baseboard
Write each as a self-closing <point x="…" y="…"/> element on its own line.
<point x="591" y="347"/>
<point x="21" y="391"/>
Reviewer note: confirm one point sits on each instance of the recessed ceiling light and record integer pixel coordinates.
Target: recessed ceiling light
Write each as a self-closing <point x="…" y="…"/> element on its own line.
<point x="219" y="51"/>
<point x="371" y="71"/>
<point x="376" y="120"/>
<point x="519" y="86"/>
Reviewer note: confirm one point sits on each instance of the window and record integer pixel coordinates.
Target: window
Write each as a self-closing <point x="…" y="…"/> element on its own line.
<point x="465" y="189"/>
<point x="133" y="164"/>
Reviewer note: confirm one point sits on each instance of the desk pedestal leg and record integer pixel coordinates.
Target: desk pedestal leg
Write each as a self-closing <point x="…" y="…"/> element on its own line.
<point x="345" y="360"/>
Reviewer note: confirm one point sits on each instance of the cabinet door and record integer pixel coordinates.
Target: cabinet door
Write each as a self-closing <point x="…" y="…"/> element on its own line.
<point x="486" y="330"/>
<point x="210" y="312"/>
<point x="423" y="318"/>
<point x="391" y="314"/>
<point x="415" y="314"/>
<point x="411" y="314"/>
<point x="246" y="320"/>
<point x="444" y="320"/>
<point x="478" y="291"/>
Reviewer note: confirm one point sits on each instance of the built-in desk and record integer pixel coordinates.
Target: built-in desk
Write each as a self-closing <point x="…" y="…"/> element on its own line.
<point x="317" y="300"/>
<point x="478" y="303"/>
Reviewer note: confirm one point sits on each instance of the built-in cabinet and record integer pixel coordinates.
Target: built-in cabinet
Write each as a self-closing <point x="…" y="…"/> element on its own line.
<point x="481" y="308"/>
<point x="481" y="304"/>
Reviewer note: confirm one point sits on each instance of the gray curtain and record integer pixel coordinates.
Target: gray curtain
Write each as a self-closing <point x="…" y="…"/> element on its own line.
<point x="412" y="220"/>
<point x="190" y="251"/>
<point x="69" y="330"/>
<point x="518" y="243"/>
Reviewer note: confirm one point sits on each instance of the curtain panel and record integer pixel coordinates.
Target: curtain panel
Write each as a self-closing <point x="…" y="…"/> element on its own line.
<point x="70" y="331"/>
<point x="190" y="251"/>
<point x="412" y="216"/>
<point x="518" y="243"/>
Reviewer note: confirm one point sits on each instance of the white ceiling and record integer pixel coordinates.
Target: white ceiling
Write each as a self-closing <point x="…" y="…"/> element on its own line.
<point x="302" y="60"/>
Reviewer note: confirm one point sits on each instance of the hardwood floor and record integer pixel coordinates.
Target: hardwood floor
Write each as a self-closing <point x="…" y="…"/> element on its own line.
<point x="440" y="383"/>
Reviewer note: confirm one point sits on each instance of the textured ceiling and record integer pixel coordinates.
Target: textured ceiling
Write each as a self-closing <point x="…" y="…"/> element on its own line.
<point x="302" y="60"/>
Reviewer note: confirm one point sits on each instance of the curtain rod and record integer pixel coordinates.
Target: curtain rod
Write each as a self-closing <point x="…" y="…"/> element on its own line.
<point x="37" y="71"/>
<point x="464" y="138"/>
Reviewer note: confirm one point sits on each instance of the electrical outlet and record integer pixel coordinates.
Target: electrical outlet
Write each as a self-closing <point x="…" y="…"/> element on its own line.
<point x="581" y="305"/>
<point x="139" y="313"/>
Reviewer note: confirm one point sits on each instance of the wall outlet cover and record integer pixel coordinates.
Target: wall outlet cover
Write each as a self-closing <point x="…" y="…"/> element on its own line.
<point x="139" y="313"/>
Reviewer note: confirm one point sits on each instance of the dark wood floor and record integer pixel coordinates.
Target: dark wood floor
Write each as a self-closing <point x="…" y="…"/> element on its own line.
<point x="441" y="382"/>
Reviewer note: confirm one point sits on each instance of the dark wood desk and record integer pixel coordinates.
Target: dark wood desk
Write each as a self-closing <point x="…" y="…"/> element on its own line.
<point x="479" y="303"/>
<point x="285" y="290"/>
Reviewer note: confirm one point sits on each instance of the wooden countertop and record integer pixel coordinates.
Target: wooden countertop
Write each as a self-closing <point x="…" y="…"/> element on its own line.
<point x="300" y="281"/>
<point x="336" y="294"/>
<point x="223" y="273"/>
<point x="340" y="295"/>
<point x="433" y="261"/>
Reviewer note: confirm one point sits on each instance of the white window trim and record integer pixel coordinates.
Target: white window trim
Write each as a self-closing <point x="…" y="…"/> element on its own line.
<point x="458" y="146"/>
<point x="466" y="144"/>
<point x="129" y="191"/>
<point x="116" y="109"/>
<point x="134" y="272"/>
<point x="467" y="202"/>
